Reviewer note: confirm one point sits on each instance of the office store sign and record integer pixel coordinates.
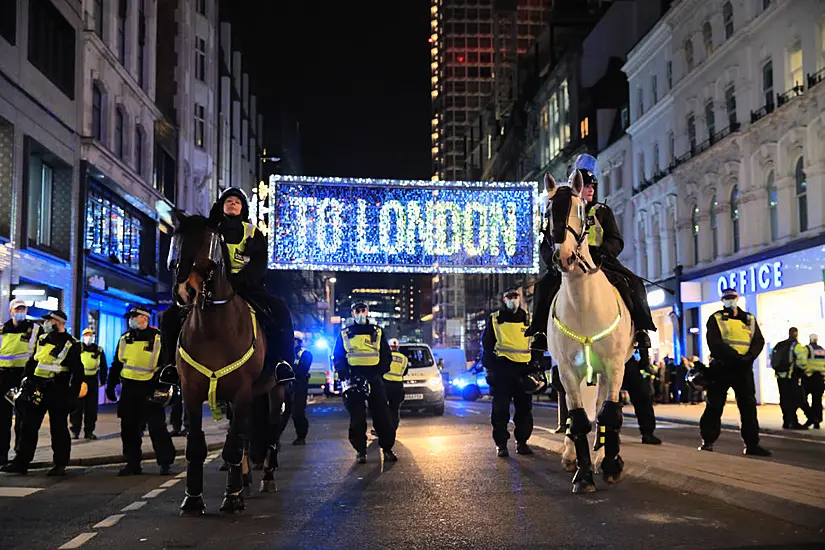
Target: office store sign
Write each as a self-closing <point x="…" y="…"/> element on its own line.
<point x="752" y="279"/>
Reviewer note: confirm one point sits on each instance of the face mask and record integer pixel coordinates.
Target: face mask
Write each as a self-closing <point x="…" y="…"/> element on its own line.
<point x="361" y="318"/>
<point x="19" y="316"/>
<point x="48" y="327"/>
<point x="512" y="305"/>
<point x="729" y="304"/>
<point x="88" y="340"/>
<point x="134" y="324"/>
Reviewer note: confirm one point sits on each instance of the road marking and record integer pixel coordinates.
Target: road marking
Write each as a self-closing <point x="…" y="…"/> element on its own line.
<point x="153" y="493"/>
<point x="181" y="475"/>
<point x="78" y="541"/>
<point x="137" y="505"/>
<point x="171" y="483"/>
<point x="17" y="491"/>
<point x="110" y="521"/>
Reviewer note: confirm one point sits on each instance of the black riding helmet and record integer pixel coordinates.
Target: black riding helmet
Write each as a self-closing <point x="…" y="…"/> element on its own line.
<point x="217" y="209"/>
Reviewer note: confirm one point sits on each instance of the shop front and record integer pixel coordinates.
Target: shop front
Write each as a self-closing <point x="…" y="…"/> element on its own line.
<point x="784" y="291"/>
<point x="664" y="309"/>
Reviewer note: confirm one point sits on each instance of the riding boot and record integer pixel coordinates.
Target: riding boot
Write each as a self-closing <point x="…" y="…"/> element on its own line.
<point x="171" y="323"/>
<point x="642" y="318"/>
<point x="545" y="290"/>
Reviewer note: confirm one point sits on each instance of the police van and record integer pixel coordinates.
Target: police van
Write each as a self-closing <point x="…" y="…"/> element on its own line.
<point x="423" y="386"/>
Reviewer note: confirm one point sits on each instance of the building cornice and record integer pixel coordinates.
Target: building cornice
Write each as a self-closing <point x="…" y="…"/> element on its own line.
<point x="644" y="51"/>
<point x="657" y="112"/>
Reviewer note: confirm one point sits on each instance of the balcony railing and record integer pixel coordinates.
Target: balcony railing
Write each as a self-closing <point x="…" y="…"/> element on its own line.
<point x="816" y="78"/>
<point x="794" y="92"/>
<point x="767" y="109"/>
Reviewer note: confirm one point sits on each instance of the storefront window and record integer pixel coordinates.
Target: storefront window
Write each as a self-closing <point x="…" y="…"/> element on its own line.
<point x="772" y="202"/>
<point x="714" y="229"/>
<point x="694" y="224"/>
<point x="734" y="216"/>
<point x="113" y="231"/>
<point x="801" y="195"/>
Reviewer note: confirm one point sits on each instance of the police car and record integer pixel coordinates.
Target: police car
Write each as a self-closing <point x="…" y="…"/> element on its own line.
<point x="471" y="384"/>
<point x="423" y="386"/>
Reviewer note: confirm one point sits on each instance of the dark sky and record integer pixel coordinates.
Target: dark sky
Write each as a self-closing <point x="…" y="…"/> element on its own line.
<point x="355" y="74"/>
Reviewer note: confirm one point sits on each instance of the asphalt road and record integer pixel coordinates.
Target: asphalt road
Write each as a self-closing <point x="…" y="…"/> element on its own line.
<point x="448" y="490"/>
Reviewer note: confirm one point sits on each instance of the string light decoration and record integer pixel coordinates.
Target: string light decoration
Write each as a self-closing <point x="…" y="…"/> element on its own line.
<point x="375" y="225"/>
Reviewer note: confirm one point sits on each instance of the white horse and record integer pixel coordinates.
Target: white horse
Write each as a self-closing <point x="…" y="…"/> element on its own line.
<point x="590" y="335"/>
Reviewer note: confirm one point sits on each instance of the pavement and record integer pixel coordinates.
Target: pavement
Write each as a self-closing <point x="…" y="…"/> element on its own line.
<point x="448" y="490"/>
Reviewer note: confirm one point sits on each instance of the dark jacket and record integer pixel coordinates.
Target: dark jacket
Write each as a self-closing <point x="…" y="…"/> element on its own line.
<point x="612" y="241"/>
<point x="73" y="378"/>
<point x="339" y="355"/>
<point x="303" y="365"/>
<point x="252" y="277"/>
<point x="145" y="335"/>
<point x="103" y="373"/>
<point x="10" y="328"/>
<point x="488" y="339"/>
<point x="720" y="351"/>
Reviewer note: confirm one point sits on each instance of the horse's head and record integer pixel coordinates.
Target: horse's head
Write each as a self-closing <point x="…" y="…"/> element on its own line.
<point x="568" y="222"/>
<point x="197" y="256"/>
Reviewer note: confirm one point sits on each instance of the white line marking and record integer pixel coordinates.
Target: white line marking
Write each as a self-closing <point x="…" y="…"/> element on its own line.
<point x="153" y="493"/>
<point x="78" y="541"/>
<point x="181" y="475"/>
<point x="17" y="491"/>
<point x="545" y="429"/>
<point x="137" y="505"/>
<point x="171" y="483"/>
<point x="110" y="521"/>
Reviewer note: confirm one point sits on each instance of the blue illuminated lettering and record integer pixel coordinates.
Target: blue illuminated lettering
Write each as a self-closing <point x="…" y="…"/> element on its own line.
<point x="777" y="274"/>
<point x="752" y="278"/>
<point x="758" y="276"/>
<point x="764" y="279"/>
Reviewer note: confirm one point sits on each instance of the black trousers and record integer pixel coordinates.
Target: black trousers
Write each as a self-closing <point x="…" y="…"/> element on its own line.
<point x="545" y="289"/>
<point x="506" y="389"/>
<point x="55" y="401"/>
<point x="86" y="407"/>
<point x="9" y="378"/>
<point x="380" y="410"/>
<point x="177" y="414"/>
<point x="395" y="396"/>
<point x="296" y="407"/>
<point x="639" y="390"/>
<point x="741" y="380"/>
<point x="555" y="381"/>
<point x="134" y="409"/>
<point x="814" y="385"/>
<point x="790" y="399"/>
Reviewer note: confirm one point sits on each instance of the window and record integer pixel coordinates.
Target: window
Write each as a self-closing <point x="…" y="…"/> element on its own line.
<point x="641" y="167"/>
<point x="655" y="158"/>
<point x="200" y="125"/>
<point x="642" y="249"/>
<point x="730" y="106"/>
<point x="52" y="45"/>
<point x="97" y="113"/>
<point x="694" y="224"/>
<point x="714" y="228"/>
<point x="141" y="50"/>
<point x="734" y="216"/>
<point x="766" y="4"/>
<point x="122" y="14"/>
<point x="564" y="114"/>
<point x="625" y="116"/>
<point x="671" y="148"/>
<point x="710" y="118"/>
<point x="772" y="204"/>
<point x="7" y="178"/>
<point x="691" y="131"/>
<point x="99" y="18"/>
<point x="555" y="146"/>
<point x="654" y="86"/>
<point x="139" y="160"/>
<point x="114" y="230"/>
<point x="200" y="59"/>
<point x="119" y="123"/>
<point x="584" y="127"/>
<point x="544" y="136"/>
<point x="669" y="74"/>
<point x="727" y="19"/>
<point x="48" y="219"/>
<point x="801" y="194"/>
<point x="707" y="38"/>
<point x="689" y="54"/>
<point x="606" y="185"/>
<point x="201" y="6"/>
<point x="767" y="83"/>
<point x="795" y="65"/>
<point x="8" y="20"/>
<point x="640" y="102"/>
<point x="41" y="183"/>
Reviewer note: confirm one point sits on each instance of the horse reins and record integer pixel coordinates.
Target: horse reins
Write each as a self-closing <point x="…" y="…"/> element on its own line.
<point x="581" y="262"/>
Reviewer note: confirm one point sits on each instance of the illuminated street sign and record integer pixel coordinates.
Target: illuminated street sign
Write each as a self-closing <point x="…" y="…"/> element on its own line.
<point x="403" y="226"/>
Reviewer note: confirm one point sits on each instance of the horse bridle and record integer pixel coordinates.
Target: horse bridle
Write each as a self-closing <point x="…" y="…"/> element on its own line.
<point x="581" y="261"/>
<point x="206" y="295"/>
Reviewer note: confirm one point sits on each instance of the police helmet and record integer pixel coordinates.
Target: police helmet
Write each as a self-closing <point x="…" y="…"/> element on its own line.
<point x="534" y="382"/>
<point x="359" y="304"/>
<point x="166" y="387"/>
<point x="217" y="209"/>
<point x="511" y="292"/>
<point x="355" y="388"/>
<point x="697" y="377"/>
<point x="589" y="168"/>
<point x="136" y="310"/>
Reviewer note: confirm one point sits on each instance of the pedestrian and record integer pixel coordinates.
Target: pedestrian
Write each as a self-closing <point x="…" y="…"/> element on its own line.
<point x="394" y="381"/>
<point x="95" y="372"/>
<point x="813" y="381"/>
<point x="788" y="359"/>
<point x="54" y="374"/>
<point x="735" y="342"/>
<point x="298" y="392"/>
<point x="135" y="367"/>
<point x="362" y="355"/>
<point x="177" y="417"/>
<point x="506" y="355"/>
<point x="18" y="338"/>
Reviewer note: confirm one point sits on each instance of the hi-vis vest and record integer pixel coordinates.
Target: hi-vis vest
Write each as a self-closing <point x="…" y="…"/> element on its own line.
<point x="17" y="347"/>
<point x="139" y="358"/>
<point x="49" y="358"/>
<point x="91" y="361"/>
<point x="816" y="360"/>
<point x="595" y="233"/>
<point x="510" y="340"/>
<point x="363" y="350"/>
<point x="735" y="333"/>
<point x="237" y="259"/>
<point x="397" y="367"/>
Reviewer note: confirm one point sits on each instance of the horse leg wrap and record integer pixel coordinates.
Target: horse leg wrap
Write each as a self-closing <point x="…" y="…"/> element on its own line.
<point x="578" y="426"/>
<point x="609" y="423"/>
<point x="271" y="462"/>
<point x="232" y="450"/>
<point x="196" y="450"/>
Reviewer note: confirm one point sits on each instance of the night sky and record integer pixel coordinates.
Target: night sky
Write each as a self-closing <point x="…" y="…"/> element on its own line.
<point x="354" y="74"/>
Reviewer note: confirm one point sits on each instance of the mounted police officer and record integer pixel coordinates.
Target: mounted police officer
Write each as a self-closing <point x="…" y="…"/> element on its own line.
<point x="735" y="342"/>
<point x="54" y="374"/>
<point x="604" y="238"/>
<point x="18" y="338"/>
<point x="296" y="404"/>
<point x="507" y="357"/>
<point x="394" y="381"/>
<point x="94" y="368"/>
<point x="361" y="357"/>
<point x="135" y="367"/>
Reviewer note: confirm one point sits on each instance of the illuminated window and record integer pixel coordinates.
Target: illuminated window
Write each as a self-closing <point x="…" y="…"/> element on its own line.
<point x="200" y="125"/>
<point x="584" y="127"/>
<point x="113" y="230"/>
<point x="795" y="64"/>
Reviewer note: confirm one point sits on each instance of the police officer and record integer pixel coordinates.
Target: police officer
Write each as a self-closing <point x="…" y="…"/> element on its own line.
<point x="94" y="367"/>
<point x="135" y="367"/>
<point x="18" y="338"/>
<point x="636" y="373"/>
<point x="394" y="381"/>
<point x="506" y="356"/>
<point x="298" y="391"/>
<point x="813" y="382"/>
<point x="54" y="374"/>
<point x="735" y="342"/>
<point x="361" y="351"/>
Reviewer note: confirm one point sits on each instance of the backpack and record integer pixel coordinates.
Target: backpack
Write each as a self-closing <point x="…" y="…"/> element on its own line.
<point x="781" y="357"/>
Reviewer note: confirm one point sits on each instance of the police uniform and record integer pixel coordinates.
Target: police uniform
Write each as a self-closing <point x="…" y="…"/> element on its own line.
<point x="54" y="374"/>
<point x="94" y="368"/>
<point x="134" y="367"/>
<point x="297" y="396"/>
<point x="791" y="391"/>
<point x="394" y="385"/>
<point x="362" y="350"/>
<point x="735" y="342"/>
<point x="17" y="343"/>
<point x="813" y="381"/>
<point x="506" y="356"/>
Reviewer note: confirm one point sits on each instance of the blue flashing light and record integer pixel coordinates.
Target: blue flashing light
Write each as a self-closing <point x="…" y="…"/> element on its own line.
<point x="322" y="344"/>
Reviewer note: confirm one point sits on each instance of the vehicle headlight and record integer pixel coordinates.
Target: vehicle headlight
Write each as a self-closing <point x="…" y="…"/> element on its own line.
<point x="435" y="383"/>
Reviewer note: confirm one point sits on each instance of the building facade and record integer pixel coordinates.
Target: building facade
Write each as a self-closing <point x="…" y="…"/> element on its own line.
<point x="729" y="165"/>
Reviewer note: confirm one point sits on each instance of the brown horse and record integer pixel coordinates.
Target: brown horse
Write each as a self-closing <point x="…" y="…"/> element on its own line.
<point x="220" y="357"/>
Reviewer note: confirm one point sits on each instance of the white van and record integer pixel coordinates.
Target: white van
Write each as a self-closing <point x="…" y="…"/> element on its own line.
<point x="423" y="386"/>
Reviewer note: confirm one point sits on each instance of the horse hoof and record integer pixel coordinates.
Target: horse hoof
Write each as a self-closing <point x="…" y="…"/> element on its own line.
<point x="581" y="487"/>
<point x="612" y="470"/>
<point x="268" y="486"/>
<point x="232" y="504"/>
<point x="192" y="507"/>
<point x="568" y="465"/>
<point x="612" y="479"/>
